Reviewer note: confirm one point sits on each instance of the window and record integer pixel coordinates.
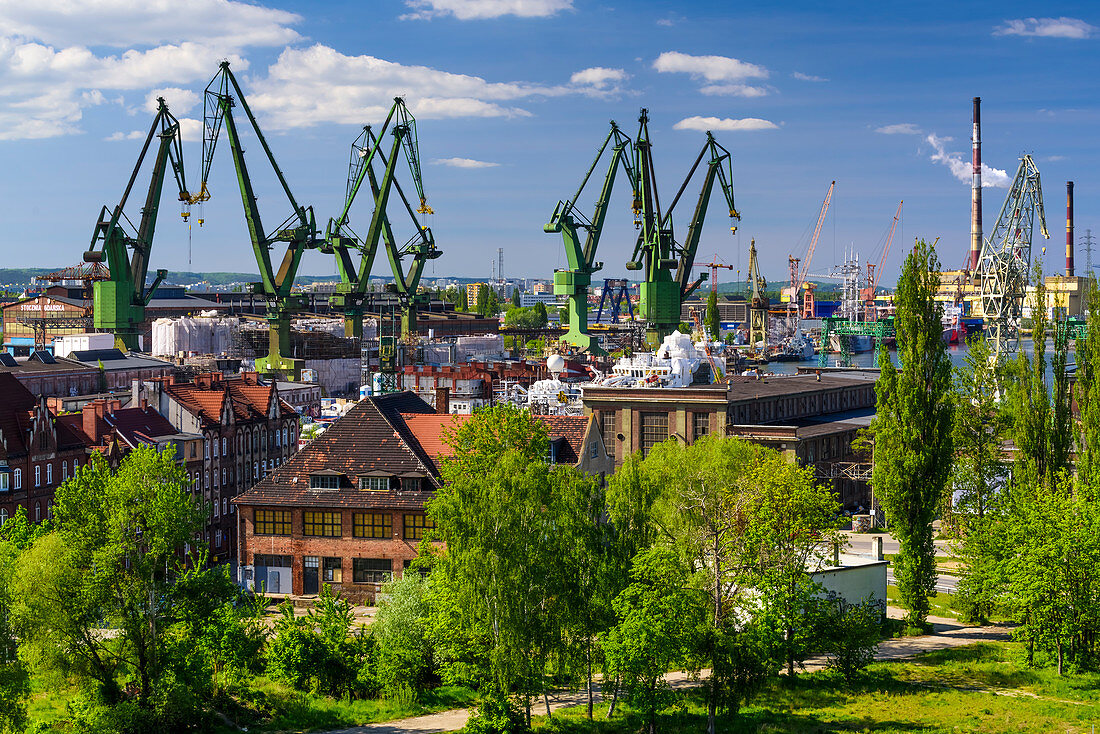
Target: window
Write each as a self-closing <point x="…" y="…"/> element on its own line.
<point x="194" y="450"/>
<point x="64" y="471"/>
<point x="223" y="477"/>
<point x="371" y="570"/>
<point x="654" y="430"/>
<point x="278" y="441"/>
<point x="216" y="508"/>
<point x="607" y="427"/>
<point x="225" y="452"/>
<point x="3" y="481"/>
<point x="324" y="481"/>
<point x="255" y="470"/>
<point x="38" y="476"/>
<point x="321" y="524"/>
<point x="218" y="538"/>
<point x="225" y="503"/>
<point x="700" y="425"/>
<point x="215" y="448"/>
<point x="75" y="467"/>
<point x="17" y="479"/>
<point x="206" y="449"/>
<point x="271" y="522"/>
<point x="374" y="484"/>
<point x="215" y="477"/>
<point x="410" y="484"/>
<point x="38" y="512"/>
<point x="415" y="525"/>
<point x="332" y="570"/>
<point x="3" y="516"/>
<point x="593" y="449"/>
<point x="206" y="481"/>
<point x="371" y="525"/>
<point x="268" y="560"/>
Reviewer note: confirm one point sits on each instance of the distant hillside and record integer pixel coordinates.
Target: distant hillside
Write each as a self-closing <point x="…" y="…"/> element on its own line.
<point x="25" y="276"/>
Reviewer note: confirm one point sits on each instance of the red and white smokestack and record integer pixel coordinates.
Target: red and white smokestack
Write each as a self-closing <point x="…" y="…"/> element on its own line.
<point x="1069" y="229"/>
<point x="976" y="188"/>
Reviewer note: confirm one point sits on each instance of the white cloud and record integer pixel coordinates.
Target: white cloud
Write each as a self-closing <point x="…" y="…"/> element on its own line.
<point x="599" y="77"/>
<point x="482" y="9"/>
<point x="726" y="75"/>
<point x="464" y="163"/>
<point x="319" y="84"/>
<point x="1054" y="158"/>
<point x="191" y="130"/>
<point x="711" y="68"/>
<point x="125" y="23"/>
<point x="179" y="101"/>
<point x="667" y="22"/>
<point x="901" y="128"/>
<point x="724" y="124"/>
<point x="132" y="135"/>
<point x="962" y="169"/>
<point x="1046" y="27"/>
<point x="808" y="77"/>
<point x="48" y="77"/>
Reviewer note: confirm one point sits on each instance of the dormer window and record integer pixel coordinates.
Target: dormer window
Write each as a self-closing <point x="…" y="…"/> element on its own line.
<point x="324" y="479"/>
<point x="371" y="483"/>
<point x="410" y="484"/>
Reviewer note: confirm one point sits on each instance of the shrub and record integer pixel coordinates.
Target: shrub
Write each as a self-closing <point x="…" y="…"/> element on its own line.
<point x="496" y="714"/>
<point x="853" y="633"/>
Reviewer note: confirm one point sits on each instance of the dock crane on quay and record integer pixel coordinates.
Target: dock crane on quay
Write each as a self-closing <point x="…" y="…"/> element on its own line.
<point x="341" y="241"/>
<point x="298" y="230"/>
<point x="666" y="265"/>
<point x="566" y="219"/>
<point x="656" y="252"/>
<point x="1006" y="257"/>
<point x="121" y="298"/>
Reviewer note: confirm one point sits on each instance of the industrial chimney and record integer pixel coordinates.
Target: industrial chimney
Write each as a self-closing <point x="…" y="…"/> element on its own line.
<point x="1069" y="229"/>
<point x="976" y="188"/>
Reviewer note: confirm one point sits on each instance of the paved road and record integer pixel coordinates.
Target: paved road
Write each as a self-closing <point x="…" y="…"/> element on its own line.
<point x="948" y="633"/>
<point x="860" y="543"/>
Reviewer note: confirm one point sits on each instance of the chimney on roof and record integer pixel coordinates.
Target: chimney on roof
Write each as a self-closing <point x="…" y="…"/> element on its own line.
<point x="443" y="400"/>
<point x="89" y="418"/>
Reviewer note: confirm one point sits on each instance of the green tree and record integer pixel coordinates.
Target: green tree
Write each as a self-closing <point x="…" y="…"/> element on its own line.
<point x="660" y="622"/>
<point x="482" y="306"/>
<point x="1087" y="393"/>
<point x="492" y="302"/>
<point x="540" y="312"/>
<point x="462" y="302"/>
<point x="978" y="479"/>
<point x="712" y="321"/>
<point x="852" y="633"/>
<point x="113" y="561"/>
<point x="401" y="627"/>
<point x="515" y="297"/>
<point x="16" y="535"/>
<point x="495" y="514"/>
<point x="912" y="428"/>
<point x="563" y="316"/>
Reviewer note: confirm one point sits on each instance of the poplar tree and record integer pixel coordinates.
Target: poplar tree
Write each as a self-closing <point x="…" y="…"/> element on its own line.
<point x="913" y="441"/>
<point x="712" y="322"/>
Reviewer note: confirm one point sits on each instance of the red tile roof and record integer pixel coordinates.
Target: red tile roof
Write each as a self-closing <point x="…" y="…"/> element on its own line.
<point x="128" y="422"/>
<point x="248" y="400"/>
<point x="17" y="406"/>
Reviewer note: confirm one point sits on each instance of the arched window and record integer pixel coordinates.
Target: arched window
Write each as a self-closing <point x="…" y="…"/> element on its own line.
<point x="38" y="512"/>
<point x="255" y="470"/>
<point x="224" y="444"/>
<point x="215" y="448"/>
<point x="17" y="480"/>
<point x="76" y="466"/>
<point x="38" y="476"/>
<point x="64" y="471"/>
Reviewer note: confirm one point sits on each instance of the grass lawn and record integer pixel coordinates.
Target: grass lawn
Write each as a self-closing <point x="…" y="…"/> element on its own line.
<point x="980" y="688"/>
<point x="271" y="706"/>
<point x="939" y="606"/>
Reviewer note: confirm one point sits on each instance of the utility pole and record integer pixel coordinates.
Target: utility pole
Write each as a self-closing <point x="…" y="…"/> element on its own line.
<point x="1088" y="252"/>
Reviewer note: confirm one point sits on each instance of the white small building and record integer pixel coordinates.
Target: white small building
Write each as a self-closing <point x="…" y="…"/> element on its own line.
<point x="65" y="345"/>
<point x="855" y="578"/>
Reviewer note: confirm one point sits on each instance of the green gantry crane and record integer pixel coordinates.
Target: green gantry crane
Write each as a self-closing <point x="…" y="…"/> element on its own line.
<point x="667" y="264"/>
<point x="120" y="301"/>
<point x="298" y="231"/>
<point x="574" y="282"/>
<point x="341" y="241"/>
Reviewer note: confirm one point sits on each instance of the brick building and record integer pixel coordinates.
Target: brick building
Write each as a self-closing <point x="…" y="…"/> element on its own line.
<point x="120" y="369"/>
<point x="348" y="510"/>
<point x="37" y="451"/>
<point x="810" y="418"/>
<point x="43" y="374"/>
<point x="247" y="431"/>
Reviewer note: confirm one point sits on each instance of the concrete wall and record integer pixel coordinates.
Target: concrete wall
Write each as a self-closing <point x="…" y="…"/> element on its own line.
<point x="855" y="582"/>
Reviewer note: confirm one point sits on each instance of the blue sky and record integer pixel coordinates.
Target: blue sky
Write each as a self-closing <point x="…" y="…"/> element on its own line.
<point x="512" y="97"/>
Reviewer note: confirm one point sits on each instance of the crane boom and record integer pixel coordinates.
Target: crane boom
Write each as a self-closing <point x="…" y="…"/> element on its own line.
<point x="817" y="232"/>
<point x="1006" y="258"/>
<point x="573" y="283"/>
<point x="121" y="299"/>
<point x="298" y="230"/>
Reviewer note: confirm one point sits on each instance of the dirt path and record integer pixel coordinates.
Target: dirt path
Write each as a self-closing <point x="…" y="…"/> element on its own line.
<point x="948" y="633"/>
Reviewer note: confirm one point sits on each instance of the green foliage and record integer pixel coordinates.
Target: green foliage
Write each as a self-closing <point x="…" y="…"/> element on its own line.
<point x="660" y="624"/>
<point x="563" y="316"/>
<point x="319" y="652"/>
<point x="1087" y="394"/>
<point x="913" y="428"/>
<point x="712" y="321"/>
<point x="401" y="628"/>
<point x="852" y="633"/>
<point x="462" y="302"/>
<point x="525" y="318"/>
<point x="540" y="311"/>
<point x="111" y="562"/>
<point x="515" y="297"/>
<point x="496" y="714"/>
<point x="16" y="535"/>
